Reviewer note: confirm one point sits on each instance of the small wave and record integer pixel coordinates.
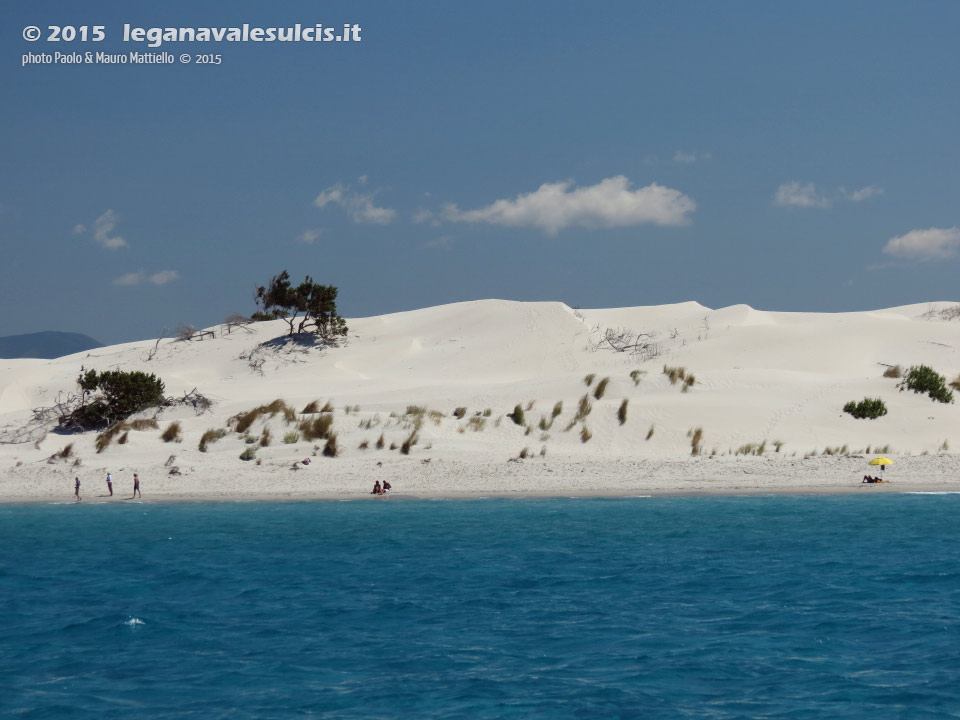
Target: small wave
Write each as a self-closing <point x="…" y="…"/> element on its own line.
<point x="134" y="622"/>
<point x="931" y="492"/>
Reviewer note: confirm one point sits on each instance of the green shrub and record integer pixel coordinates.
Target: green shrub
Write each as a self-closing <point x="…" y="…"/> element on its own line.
<point x="459" y="413"/>
<point x="924" y="379"/>
<point x="517" y="415"/>
<point x="112" y="396"/>
<point x="871" y="408"/>
<point x="249" y="454"/>
<point x="291" y="437"/>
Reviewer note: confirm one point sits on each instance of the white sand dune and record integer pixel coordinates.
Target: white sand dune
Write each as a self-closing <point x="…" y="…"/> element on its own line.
<point x="761" y="377"/>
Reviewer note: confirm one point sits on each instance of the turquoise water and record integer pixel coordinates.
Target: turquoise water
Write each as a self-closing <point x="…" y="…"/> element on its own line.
<point x="773" y="607"/>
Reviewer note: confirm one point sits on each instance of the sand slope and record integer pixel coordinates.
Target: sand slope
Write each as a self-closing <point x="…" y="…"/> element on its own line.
<point x="760" y="376"/>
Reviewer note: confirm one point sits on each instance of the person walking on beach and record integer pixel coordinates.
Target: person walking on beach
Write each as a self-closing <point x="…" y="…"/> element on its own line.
<point x="136" y="486"/>
<point x="110" y="484"/>
<point x="76" y="488"/>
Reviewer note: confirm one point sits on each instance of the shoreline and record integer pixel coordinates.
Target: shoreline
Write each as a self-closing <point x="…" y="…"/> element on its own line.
<point x="896" y="488"/>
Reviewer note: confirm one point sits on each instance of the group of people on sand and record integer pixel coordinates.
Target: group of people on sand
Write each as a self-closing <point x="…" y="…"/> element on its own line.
<point x="136" y="487"/>
<point x="379" y="489"/>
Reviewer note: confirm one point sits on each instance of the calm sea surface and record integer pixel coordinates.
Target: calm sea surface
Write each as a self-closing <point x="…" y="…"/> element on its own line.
<point x="761" y="607"/>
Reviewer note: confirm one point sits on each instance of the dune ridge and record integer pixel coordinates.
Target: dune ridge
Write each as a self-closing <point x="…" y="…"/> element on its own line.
<point x="776" y="380"/>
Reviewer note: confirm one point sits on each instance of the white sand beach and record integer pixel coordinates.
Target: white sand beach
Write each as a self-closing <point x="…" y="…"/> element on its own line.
<point x="767" y="396"/>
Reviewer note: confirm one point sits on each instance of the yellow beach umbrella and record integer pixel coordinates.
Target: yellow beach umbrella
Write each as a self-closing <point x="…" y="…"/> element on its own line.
<point x="882" y="462"/>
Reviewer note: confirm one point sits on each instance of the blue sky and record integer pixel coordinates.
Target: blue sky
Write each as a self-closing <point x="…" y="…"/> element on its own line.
<point x="798" y="156"/>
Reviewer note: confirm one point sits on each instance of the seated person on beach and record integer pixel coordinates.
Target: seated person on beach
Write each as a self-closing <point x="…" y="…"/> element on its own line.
<point x="868" y="479"/>
<point x="377" y="490"/>
<point x="386" y="486"/>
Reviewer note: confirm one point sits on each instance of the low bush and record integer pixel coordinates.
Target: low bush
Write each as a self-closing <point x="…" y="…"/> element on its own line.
<point x="459" y="412"/>
<point x="249" y="454"/>
<point x="311" y="408"/>
<point x="111" y="397"/>
<point x="924" y="379"/>
<point x="144" y="424"/>
<point x="316" y="428"/>
<point x="674" y="374"/>
<point x="211" y="436"/>
<point x="172" y="433"/>
<point x="893" y="372"/>
<point x="330" y="449"/>
<point x="696" y="440"/>
<point x="291" y="437"/>
<point x="517" y="415"/>
<point x="869" y="408"/>
<point x="622" y="412"/>
<point x="244" y="420"/>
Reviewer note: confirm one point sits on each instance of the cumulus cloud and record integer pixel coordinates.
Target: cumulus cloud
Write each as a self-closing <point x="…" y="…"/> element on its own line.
<point x="103" y="228"/>
<point x="609" y="203"/>
<point x="309" y="237"/>
<point x="930" y="244"/>
<point x="796" y="195"/>
<point x="79" y="229"/>
<point x="138" y="278"/>
<point x="360" y="207"/>
<point x="688" y="158"/>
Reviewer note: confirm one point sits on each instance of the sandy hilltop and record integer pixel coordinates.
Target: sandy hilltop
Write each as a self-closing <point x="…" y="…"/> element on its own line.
<point x="760" y="395"/>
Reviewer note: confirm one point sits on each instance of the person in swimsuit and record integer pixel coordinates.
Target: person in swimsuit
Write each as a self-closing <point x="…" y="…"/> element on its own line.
<point x="110" y="484"/>
<point x="377" y="490"/>
<point x="76" y="489"/>
<point x="386" y="486"/>
<point x="136" y="486"/>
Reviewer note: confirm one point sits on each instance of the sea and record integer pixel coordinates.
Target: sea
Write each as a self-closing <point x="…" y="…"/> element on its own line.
<point x="648" y="607"/>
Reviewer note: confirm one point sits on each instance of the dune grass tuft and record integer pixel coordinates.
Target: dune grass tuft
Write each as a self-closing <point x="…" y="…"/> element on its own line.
<point x="211" y="436"/>
<point x="172" y="433"/>
<point x="244" y="420"/>
<point x="601" y="388"/>
<point x="622" y="411"/>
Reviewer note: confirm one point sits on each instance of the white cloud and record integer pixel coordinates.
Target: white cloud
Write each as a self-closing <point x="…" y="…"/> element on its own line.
<point x="138" y="278"/>
<point x="163" y="277"/>
<point x="422" y="216"/>
<point x="930" y="244"/>
<point x="362" y="179"/>
<point x="359" y="206"/>
<point x="79" y="229"/>
<point x="796" y="195"/>
<point x="609" y="203"/>
<point x="103" y="228"/>
<point x="688" y="158"/>
<point x="129" y="279"/>
<point x="864" y="193"/>
<point x="309" y="237"/>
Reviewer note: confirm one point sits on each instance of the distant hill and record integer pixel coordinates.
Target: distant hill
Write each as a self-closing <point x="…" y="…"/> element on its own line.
<point x="48" y="344"/>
